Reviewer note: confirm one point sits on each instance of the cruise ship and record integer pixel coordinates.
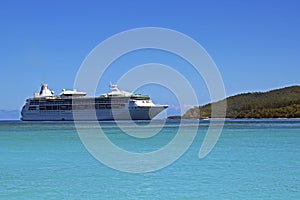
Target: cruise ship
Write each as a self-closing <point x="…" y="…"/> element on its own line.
<point x="72" y="105"/>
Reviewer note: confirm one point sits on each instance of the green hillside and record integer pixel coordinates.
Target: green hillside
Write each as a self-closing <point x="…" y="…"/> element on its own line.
<point x="280" y="103"/>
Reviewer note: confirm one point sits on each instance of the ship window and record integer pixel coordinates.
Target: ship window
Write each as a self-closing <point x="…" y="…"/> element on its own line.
<point x="79" y="107"/>
<point x="88" y="107"/>
<point x="63" y="107"/>
<point x="99" y="106"/>
<point x="33" y="103"/>
<point x="42" y="107"/>
<point x="117" y="105"/>
<point x="32" y="108"/>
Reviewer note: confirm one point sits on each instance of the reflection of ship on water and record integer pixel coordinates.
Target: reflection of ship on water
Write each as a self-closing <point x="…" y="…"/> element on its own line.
<point x="72" y="105"/>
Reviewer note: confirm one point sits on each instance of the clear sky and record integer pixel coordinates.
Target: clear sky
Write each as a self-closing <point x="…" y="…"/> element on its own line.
<point x="255" y="44"/>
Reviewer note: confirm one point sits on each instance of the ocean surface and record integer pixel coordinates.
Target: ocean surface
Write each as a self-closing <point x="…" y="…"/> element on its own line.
<point x="253" y="159"/>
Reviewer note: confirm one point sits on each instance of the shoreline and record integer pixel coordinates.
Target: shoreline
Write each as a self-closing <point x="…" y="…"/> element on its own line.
<point x="177" y="119"/>
<point x="180" y="118"/>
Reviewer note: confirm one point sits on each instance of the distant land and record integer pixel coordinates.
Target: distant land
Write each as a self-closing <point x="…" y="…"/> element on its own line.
<point x="279" y="103"/>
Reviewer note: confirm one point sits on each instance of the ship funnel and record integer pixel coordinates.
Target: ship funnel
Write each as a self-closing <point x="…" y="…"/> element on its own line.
<point x="45" y="92"/>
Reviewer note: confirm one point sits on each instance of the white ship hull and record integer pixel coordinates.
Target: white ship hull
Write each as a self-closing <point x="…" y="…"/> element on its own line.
<point x="138" y="113"/>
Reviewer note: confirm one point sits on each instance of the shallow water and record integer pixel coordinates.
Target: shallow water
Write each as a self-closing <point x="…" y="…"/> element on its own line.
<point x="253" y="159"/>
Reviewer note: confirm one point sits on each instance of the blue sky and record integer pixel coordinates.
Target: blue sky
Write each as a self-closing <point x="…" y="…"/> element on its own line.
<point x="255" y="44"/>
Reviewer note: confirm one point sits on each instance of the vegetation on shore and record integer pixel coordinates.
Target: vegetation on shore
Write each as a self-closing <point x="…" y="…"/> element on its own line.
<point x="279" y="103"/>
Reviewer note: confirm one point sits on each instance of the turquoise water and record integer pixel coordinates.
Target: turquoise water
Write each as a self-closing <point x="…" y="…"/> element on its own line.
<point x="253" y="159"/>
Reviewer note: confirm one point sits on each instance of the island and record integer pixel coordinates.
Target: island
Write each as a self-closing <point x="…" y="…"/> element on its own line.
<point x="278" y="103"/>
